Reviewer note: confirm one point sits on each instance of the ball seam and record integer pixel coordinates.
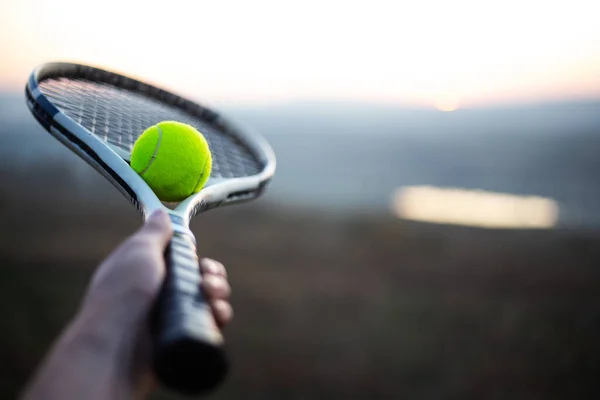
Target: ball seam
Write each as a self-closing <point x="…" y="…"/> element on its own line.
<point x="160" y="133"/>
<point x="202" y="172"/>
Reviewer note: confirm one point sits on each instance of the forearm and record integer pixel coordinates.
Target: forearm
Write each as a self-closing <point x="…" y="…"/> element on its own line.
<point x="92" y="359"/>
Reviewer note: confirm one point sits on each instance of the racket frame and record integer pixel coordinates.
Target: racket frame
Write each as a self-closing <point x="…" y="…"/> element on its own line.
<point x="113" y="163"/>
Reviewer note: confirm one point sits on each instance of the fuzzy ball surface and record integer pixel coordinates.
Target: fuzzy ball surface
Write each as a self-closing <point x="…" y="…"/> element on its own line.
<point x="173" y="158"/>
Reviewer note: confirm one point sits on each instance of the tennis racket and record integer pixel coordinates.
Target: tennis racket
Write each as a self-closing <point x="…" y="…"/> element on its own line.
<point x="99" y="115"/>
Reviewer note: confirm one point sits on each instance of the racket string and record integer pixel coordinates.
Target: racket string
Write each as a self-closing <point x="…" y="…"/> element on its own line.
<point x="118" y="116"/>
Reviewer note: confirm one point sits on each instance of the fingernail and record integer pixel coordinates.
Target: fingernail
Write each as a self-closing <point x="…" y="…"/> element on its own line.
<point x="157" y="214"/>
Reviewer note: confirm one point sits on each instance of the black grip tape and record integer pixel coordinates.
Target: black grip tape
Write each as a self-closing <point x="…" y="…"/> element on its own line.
<point x="188" y="349"/>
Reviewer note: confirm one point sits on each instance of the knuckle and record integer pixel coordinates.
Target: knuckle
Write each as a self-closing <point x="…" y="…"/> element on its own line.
<point x="215" y="267"/>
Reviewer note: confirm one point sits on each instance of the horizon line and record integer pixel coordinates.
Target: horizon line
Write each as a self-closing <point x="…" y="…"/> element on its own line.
<point x="369" y="101"/>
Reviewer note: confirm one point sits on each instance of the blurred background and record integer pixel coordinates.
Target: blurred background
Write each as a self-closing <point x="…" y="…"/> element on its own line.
<point x="432" y="231"/>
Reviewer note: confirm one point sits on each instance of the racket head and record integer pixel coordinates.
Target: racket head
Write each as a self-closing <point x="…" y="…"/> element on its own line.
<point x="99" y="114"/>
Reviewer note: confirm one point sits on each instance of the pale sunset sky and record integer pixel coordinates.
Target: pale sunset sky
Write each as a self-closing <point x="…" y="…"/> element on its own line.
<point x="424" y="52"/>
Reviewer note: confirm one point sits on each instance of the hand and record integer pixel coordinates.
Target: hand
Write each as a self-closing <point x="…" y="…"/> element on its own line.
<point x="105" y="352"/>
<point x="136" y="269"/>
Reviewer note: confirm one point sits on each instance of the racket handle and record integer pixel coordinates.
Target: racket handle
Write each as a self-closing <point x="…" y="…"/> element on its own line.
<point x="188" y="353"/>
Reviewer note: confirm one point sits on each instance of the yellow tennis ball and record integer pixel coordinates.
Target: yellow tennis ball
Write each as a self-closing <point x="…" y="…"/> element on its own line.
<point x="173" y="158"/>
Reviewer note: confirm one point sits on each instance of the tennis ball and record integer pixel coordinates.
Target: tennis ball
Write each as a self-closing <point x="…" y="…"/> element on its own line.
<point x="173" y="158"/>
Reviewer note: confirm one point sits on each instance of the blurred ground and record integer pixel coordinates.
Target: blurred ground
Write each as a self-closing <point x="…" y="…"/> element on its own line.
<point x="330" y="306"/>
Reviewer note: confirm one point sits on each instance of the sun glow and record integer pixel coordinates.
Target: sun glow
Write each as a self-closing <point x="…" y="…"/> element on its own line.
<point x="447" y="104"/>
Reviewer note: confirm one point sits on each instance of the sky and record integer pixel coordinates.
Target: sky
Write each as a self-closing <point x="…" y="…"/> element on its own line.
<point x="446" y="54"/>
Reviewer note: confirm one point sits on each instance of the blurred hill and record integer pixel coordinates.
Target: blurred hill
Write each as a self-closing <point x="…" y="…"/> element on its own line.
<point x="350" y="157"/>
<point x="334" y="297"/>
<point x="330" y="306"/>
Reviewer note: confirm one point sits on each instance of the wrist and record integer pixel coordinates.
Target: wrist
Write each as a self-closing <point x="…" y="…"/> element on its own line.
<point x="98" y="356"/>
<point x="112" y="320"/>
<point x="118" y="333"/>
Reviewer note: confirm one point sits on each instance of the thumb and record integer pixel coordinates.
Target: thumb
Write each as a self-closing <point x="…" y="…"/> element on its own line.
<point x="158" y="228"/>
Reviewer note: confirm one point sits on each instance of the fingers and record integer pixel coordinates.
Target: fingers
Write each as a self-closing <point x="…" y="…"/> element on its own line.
<point x="222" y="311"/>
<point x="209" y="266"/>
<point x="158" y="228"/>
<point x="217" y="289"/>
